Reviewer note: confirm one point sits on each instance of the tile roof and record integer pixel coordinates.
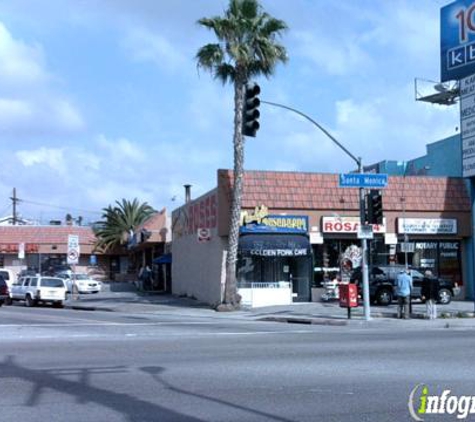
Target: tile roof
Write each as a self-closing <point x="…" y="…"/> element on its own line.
<point x="320" y="191"/>
<point x="45" y="234"/>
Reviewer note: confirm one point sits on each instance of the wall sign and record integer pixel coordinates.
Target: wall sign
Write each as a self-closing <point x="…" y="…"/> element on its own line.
<point x="347" y="225"/>
<point x="427" y="225"/>
<point x="263" y="222"/>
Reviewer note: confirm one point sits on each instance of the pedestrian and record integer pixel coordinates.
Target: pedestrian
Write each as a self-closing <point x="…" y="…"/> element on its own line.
<point x="403" y="292"/>
<point x="430" y="293"/>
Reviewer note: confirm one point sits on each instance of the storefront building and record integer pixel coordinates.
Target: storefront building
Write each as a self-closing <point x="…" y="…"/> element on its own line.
<point x="426" y="222"/>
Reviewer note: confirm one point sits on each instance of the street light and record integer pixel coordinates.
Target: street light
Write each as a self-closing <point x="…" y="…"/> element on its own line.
<point x="359" y="162"/>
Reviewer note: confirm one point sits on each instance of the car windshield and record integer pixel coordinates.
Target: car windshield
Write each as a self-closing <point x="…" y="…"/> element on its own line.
<point x="5" y="275"/>
<point x="52" y="282"/>
<point x="81" y="276"/>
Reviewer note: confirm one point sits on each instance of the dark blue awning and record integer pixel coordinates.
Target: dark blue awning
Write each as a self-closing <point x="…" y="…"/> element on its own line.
<point x="164" y="259"/>
<point x="274" y="245"/>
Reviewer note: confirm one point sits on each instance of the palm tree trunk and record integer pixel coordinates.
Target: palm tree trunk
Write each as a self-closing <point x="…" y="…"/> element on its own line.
<point x="230" y="296"/>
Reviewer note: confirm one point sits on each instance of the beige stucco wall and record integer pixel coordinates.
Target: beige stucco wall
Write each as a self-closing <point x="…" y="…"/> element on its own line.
<point x="198" y="267"/>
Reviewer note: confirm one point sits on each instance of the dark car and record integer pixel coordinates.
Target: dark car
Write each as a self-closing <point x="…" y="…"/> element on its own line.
<point x="4" y="292"/>
<point x="382" y="281"/>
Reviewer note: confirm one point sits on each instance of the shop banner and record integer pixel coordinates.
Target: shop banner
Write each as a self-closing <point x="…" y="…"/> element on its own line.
<point x="277" y="223"/>
<point x="274" y="245"/>
<point x="427" y="225"/>
<point x="348" y="225"/>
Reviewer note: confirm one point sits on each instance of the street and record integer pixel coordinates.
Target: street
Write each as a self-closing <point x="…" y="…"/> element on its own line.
<point x="59" y="364"/>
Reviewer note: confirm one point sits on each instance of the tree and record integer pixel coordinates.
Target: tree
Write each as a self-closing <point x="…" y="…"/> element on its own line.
<point x="246" y="47"/>
<point x="119" y="221"/>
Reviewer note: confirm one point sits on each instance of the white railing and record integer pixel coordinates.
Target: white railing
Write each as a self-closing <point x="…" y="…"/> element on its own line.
<point x="265" y="293"/>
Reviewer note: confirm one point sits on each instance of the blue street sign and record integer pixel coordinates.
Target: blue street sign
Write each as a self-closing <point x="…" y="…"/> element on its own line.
<point x="363" y="180"/>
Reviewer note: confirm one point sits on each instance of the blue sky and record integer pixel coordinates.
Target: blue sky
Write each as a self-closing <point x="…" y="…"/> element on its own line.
<point x="102" y="100"/>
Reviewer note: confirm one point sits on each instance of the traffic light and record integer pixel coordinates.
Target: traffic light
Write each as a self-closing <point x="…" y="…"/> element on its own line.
<point x="375" y="207"/>
<point x="250" y="111"/>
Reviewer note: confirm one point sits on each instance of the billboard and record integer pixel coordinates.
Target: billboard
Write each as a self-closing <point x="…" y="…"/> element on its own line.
<point x="457" y="40"/>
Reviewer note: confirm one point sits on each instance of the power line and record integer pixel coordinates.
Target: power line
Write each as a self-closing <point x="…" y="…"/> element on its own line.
<point x="58" y="207"/>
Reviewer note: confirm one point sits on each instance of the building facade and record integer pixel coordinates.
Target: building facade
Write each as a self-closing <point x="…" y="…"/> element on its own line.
<point x="299" y="228"/>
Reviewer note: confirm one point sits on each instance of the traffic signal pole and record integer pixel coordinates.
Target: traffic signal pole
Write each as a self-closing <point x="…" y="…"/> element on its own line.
<point x="364" y="245"/>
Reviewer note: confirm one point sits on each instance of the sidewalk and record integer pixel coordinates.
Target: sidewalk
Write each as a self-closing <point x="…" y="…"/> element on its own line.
<point x="122" y="297"/>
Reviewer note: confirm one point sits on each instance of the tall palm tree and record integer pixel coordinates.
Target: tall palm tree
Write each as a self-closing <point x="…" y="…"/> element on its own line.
<point x="246" y="47"/>
<point x="117" y="222"/>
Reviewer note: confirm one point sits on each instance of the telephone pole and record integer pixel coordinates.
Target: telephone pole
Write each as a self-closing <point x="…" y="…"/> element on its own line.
<point x="14" y="201"/>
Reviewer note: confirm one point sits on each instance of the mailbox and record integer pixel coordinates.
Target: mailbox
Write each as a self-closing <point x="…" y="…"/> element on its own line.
<point x="348" y="295"/>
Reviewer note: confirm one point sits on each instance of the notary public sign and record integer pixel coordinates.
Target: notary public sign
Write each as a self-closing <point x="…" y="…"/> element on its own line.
<point x="457" y="40"/>
<point x="363" y="180"/>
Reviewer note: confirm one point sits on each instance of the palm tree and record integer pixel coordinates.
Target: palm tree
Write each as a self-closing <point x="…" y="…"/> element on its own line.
<point x="246" y="47"/>
<point x="118" y="221"/>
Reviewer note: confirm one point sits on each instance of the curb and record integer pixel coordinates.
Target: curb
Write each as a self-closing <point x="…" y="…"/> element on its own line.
<point x="306" y="321"/>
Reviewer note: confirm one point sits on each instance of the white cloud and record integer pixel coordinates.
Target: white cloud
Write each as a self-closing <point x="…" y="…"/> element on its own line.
<point x="121" y="150"/>
<point x="50" y="157"/>
<point x="28" y="103"/>
<point x="21" y="65"/>
<point x="146" y="46"/>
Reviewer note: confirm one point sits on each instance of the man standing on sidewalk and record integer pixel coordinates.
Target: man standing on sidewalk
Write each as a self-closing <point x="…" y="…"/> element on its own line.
<point x="403" y="292"/>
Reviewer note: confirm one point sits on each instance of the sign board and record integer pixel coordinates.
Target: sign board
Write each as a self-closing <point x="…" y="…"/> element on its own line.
<point x="348" y="225"/>
<point x="407" y="247"/>
<point x="363" y="180"/>
<point x="316" y="238"/>
<point x="390" y="239"/>
<point x="365" y="231"/>
<point x="427" y="225"/>
<point x="204" y="235"/>
<point x="467" y="123"/>
<point x="21" y="251"/>
<point x="73" y="249"/>
<point x="457" y="40"/>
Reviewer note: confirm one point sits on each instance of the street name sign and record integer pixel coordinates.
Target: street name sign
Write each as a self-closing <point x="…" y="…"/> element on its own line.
<point x="363" y="180"/>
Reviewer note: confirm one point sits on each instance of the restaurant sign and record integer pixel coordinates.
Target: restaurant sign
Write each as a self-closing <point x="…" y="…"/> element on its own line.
<point x="347" y="225"/>
<point x="427" y="225"/>
<point x="262" y="222"/>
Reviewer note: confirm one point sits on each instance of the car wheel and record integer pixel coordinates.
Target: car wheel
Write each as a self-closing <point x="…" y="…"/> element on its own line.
<point x="445" y="296"/>
<point x="59" y="304"/>
<point x="29" y="301"/>
<point x="384" y="297"/>
<point x="8" y="301"/>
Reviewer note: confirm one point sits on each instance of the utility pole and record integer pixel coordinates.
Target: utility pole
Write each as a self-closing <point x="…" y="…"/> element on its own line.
<point x="364" y="245"/>
<point x="14" y="201"/>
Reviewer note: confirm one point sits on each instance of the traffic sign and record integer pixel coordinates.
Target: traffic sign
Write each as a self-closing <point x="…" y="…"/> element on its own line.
<point x="363" y="180"/>
<point x="73" y="249"/>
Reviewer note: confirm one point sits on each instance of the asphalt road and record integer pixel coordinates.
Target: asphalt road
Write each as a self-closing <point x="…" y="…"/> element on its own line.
<point x="65" y="365"/>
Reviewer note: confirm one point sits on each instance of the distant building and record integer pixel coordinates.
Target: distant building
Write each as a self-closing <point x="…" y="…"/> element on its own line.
<point x="443" y="158"/>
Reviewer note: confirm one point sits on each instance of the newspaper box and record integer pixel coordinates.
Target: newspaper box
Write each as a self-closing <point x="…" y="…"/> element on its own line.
<point x="348" y="295"/>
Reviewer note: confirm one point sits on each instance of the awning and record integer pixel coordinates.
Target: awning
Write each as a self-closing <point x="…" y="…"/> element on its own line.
<point x="164" y="259"/>
<point x="274" y="245"/>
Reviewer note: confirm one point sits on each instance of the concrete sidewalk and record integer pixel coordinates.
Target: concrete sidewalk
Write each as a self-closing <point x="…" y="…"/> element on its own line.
<point x="123" y="297"/>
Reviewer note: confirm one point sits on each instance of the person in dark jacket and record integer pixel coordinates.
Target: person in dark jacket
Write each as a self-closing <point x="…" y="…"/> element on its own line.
<point x="430" y="293"/>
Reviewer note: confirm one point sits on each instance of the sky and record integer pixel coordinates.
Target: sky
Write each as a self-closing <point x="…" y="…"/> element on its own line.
<point x="101" y="100"/>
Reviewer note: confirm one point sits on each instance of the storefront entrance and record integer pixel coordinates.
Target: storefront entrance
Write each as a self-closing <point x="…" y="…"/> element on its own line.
<point x="276" y="258"/>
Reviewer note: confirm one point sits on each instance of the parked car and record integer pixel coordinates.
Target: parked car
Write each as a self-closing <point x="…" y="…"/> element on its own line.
<point x="382" y="281"/>
<point x="4" y="291"/>
<point x="7" y="275"/>
<point x="36" y="289"/>
<point x="85" y="283"/>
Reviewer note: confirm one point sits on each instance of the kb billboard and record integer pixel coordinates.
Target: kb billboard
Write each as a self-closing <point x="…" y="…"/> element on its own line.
<point x="457" y="40"/>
